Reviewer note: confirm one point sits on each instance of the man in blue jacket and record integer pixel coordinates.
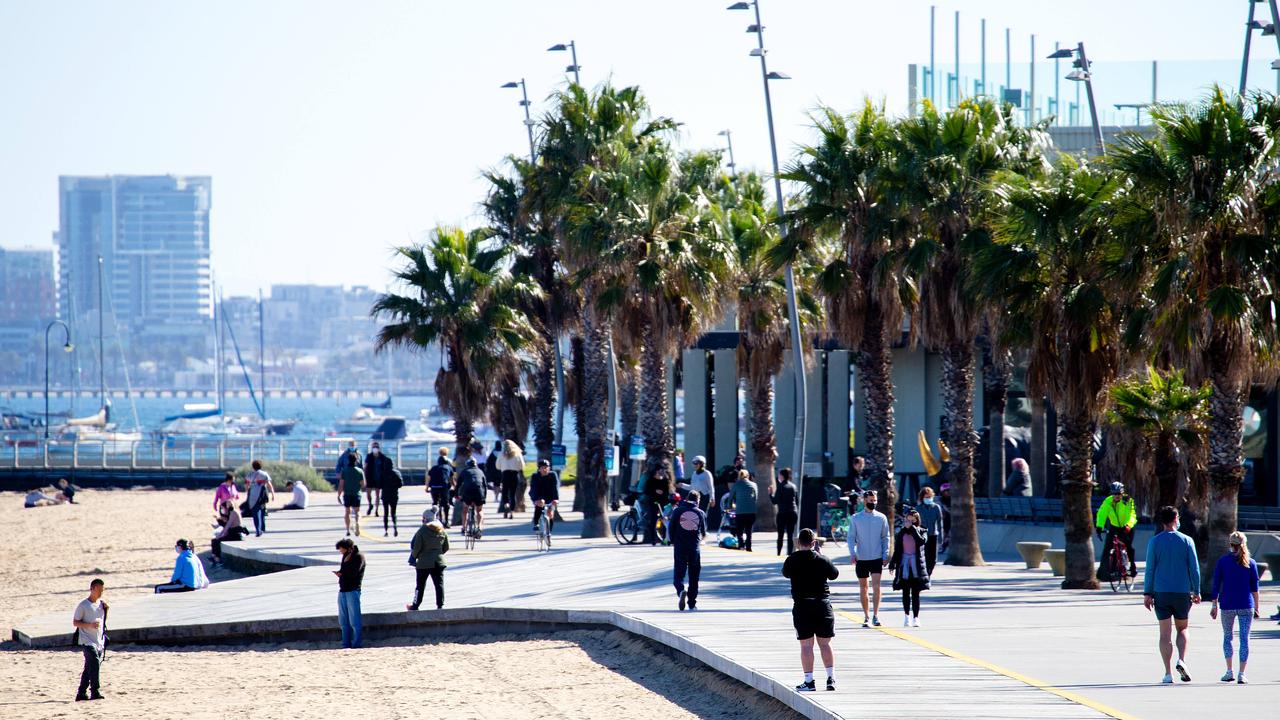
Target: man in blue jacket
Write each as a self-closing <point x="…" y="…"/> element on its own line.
<point x="1171" y="587"/>
<point x="687" y="527"/>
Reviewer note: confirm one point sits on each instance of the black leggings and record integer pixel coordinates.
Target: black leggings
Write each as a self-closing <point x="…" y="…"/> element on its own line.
<point x="746" y="523"/>
<point x="786" y="528"/>
<point x="437" y="578"/>
<point x="911" y="601"/>
<point x="509" y="480"/>
<point x="390" y="498"/>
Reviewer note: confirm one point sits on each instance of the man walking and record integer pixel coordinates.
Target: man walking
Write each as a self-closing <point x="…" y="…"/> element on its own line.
<point x="426" y="554"/>
<point x="350" y="483"/>
<point x="869" y="553"/>
<point x="784" y="497"/>
<point x="688" y="528"/>
<point x="703" y="483"/>
<point x="811" y="613"/>
<point x="1171" y="586"/>
<point x="350" y="575"/>
<point x="90" y="621"/>
<point x="377" y="475"/>
<point x="259" y="490"/>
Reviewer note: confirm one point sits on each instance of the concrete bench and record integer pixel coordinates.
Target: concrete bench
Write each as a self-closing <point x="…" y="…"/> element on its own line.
<point x="1033" y="553"/>
<point x="1057" y="559"/>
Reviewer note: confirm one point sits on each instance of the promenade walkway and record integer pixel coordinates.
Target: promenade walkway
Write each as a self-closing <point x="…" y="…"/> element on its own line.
<point x="998" y="642"/>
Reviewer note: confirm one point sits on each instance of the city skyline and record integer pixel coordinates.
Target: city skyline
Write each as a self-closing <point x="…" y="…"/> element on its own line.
<point x="334" y="137"/>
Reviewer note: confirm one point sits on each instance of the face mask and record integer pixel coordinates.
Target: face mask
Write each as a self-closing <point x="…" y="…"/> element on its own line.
<point x="376" y="451"/>
<point x="869" y="506"/>
<point x="928" y="501"/>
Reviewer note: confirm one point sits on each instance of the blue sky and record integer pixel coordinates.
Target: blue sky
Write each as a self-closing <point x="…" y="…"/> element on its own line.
<point x="337" y="130"/>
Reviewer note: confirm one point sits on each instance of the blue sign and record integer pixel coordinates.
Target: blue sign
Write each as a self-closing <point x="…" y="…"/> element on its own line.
<point x="637" y="447"/>
<point x="559" y="457"/>
<point x="609" y="453"/>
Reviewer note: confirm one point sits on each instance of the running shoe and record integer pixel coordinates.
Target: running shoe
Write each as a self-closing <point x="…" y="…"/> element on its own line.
<point x="1228" y="676"/>
<point x="684" y="596"/>
<point x="831" y="684"/>
<point x="1240" y="679"/>
<point x="866" y="621"/>
<point x="807" y="686"/>
<point x="1167" y="680"/>
<point x="906" y="621"/>
<point x="875" y="620"/>
<point x="1182" y="670"/>
<point x="915" y="622"/>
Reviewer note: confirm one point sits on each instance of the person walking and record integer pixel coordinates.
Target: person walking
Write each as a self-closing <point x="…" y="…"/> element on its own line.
<point x="511" y="465"/>
<point x="1117" y="516"/>
<point x="784" y="497"/>
<point x="439" y="478"/>
<point x="259" y="491"/>
<point x="869" y="554"/>
<point x="350" y="574"/>
<point x="377" y="474"/>
<point x="703" y="482"/>
<point x="688" y="527"/>
<point x="350" y="485"/>
<point x="910" y="568"/>
<point x="226" y="490"/>
<point x="426" y="555"/>
<point x="930" y="513"/>
<point x="90" y="622"/>
<point x="657" y="492"/>
<point x="1235" y="596"/>
<point x="188" y="571"/>
<point x="492" y="475"/>
<point x="810" y="572"/>
<point x="1170" y="587"/>
<point x="348" y="456"/>
<point x="742" y="497"/>
<point x="391" y="485"/>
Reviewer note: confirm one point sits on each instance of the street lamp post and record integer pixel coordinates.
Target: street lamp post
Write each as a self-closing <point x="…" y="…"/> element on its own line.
<point x="1083" y="74"/>
<point x="728" y="138"/>
<point x="528" y="120"/>
<point x="793" y="313"/>
<point x="573" y="53"/>
<point x="66" y="346"/>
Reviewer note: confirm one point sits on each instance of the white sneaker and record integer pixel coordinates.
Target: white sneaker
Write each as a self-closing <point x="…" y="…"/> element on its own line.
<point x="1240" y="679"/>
<point x="866" y="621"/>
<point x="1228" y="676"/>
<point x="1168" y="679"/>
<point x="915" y="622"/>
<point x="906" y="621"/>
<point x="1182" y="670"/>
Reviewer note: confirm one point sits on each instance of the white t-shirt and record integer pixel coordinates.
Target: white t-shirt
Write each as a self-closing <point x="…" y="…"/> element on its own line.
<point x="89" y="612"/>
<point x="300" y="495"/>
<point x="703" y="482"/>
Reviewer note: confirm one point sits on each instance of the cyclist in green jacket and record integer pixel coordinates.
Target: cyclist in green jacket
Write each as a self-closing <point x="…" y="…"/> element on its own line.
<point x="1117" y="517"/>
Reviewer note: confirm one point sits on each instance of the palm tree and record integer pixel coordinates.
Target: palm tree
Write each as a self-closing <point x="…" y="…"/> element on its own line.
<point x="941" y="166"/>
<point x="762" y="317"/>
<point x="1170" y="416"/>
<point x="846" y="197"/>
<point x="460" y="297"/>
<point x="1044" y="273"/>
<point x="584" y="140"/>
<point x="1207" y="180"/>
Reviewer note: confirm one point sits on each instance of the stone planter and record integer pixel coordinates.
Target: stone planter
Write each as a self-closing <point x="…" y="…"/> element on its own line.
<point x="1033" y="553"/>
<point x="1057" y="559"/>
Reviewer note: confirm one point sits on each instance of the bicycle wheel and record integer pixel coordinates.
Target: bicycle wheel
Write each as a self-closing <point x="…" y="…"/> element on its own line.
<point x="1115" y="574"/>
<point x="544" y="531"/>
<point x="628" y="529"/>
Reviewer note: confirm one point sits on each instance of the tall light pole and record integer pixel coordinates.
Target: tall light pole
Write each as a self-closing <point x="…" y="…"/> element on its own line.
<point x="66" y="346"/>
<point x="573" y="52"/>
<point x="1082" y="74"/>
<point x="528" y="121"/>
<point x="793" y="313"/>
<point x="728" y="138"/>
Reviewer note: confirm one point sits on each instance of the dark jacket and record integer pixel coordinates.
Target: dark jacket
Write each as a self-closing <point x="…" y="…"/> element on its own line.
<point x="921" y="579"/>
<point x="687" y="527"/>
<point x="1018" y="484"/>
<point x="472" y="480"/>
<point x="351" y="571"/>
<point x="377" y="470"/>
<point x="657" y="489"/>
<point x="429" y="545"/>
<point x="784" y="496"/>
<point x="809" y="572"/>
<point x="439" y="475"/>
<point x="394" y="482"/>
<point x="544" y="487"/>
<point x="492" y="475"/>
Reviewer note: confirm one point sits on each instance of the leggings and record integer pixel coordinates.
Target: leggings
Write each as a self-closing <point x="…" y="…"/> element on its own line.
<point x="786" y="529"/>
<point x="911" y="601"/>
<point x="746" y="523"/>
<point x="390" y="498"/>
<point x="1228" y="618"/>
<point x="509" y="480"/>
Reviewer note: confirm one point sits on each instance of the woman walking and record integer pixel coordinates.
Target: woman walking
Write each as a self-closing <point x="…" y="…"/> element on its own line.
<point x="1235" y="595"/>
<point x="391" y="484"/>
<point x="742" y="498"/>
<point x="910" y="571"/>
<point x="511" y="465"/>
<point x="784" y="497"/>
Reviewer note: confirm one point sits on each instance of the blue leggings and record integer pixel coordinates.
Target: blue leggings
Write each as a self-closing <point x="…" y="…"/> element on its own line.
<point x="1228" y="618"/>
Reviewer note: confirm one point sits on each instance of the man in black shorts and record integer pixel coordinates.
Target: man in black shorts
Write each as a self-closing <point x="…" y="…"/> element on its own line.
<point x="1171" y="586"/>
<point x="471" y="487"/>
<point x="811" y="613"/>
<point x="869" y="554"/>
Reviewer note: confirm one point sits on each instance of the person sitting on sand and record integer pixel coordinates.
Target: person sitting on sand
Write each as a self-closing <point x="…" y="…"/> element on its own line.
<point x="38" y="498"/>
<point x="230" y="530"/>
<point x="68" y="490"/>
<point x="300" y="496"/>
<point x="227" y="490"/>
<point x="188" y="571"/>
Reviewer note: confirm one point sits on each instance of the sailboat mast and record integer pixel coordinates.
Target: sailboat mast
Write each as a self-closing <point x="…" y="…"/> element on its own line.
<point x="222" y="348"/>
<point x="102" y="366"/>
<point x="262" y="355"/>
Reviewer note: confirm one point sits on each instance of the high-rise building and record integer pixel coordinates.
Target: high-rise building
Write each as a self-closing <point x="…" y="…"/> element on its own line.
<point x="27" y="289"/>
<point x="152" y="233"/>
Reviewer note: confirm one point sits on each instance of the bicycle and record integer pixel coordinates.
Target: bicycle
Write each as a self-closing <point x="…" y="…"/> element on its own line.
<point x="1118" y="566"/>
<point x="626" y="527"/>
<point x="543" y="531"/>
<point x="470" y="528"/>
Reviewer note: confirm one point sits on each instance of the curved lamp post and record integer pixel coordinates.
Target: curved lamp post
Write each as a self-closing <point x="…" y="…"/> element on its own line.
<point x="66" y="347"/>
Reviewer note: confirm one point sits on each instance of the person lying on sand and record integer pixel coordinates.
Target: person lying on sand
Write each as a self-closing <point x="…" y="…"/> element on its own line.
<point x="38" y="498"/>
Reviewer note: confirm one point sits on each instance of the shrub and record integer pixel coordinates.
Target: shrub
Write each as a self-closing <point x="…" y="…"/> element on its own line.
<point x="282" y="473"/>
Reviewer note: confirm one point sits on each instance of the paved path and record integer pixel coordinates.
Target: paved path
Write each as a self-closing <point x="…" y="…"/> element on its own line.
<point x="998" y="642"/>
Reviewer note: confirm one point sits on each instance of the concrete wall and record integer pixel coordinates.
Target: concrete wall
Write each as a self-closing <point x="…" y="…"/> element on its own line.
<point x="696" y="407"/>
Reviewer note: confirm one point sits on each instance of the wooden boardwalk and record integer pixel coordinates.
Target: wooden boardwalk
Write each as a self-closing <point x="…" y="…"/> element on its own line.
<point x="980" y="622"/>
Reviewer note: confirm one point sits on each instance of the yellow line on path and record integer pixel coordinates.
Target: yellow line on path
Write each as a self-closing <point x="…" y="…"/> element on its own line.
<point x="1011" y="674"/>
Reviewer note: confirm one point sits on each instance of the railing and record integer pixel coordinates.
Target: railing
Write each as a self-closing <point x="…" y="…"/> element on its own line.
<point x="181" y="454"/>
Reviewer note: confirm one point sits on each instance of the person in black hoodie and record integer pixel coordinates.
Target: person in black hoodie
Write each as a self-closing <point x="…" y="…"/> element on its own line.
<point x="910" y="568"/>
<point x="811" y="613"/>
<point x="784" y="497"/>
<point x="350" y="575"/>
<point x="391" y="485"/>
<point x="688" y="528"/>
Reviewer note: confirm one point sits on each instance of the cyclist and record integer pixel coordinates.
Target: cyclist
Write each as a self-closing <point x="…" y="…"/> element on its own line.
<point x="544" y="491"/>
<point x="1117" y="517"/>
<point x="472" y="488"/>
<point x="438" y="481"/>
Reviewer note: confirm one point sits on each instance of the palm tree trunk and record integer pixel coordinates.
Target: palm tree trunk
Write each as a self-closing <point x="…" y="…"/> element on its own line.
<point x="1226" y="459"/>
<point x="764" y="450"/>
<point x="1167" y="472"/>
<point x="628" y="405"/>
<point x="593" y="399"/>
<point x="659" y="439"/>
<point x="1076" y="480"/>
<point x="1039" y="468"/>
<point x="957" y="403"/>
<point x="578" y="358"/>
<point x="874" y="362"/>
<point x="997" y="371"/>
<point x="463" y="432"/>
<point x="544" y="402"/>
